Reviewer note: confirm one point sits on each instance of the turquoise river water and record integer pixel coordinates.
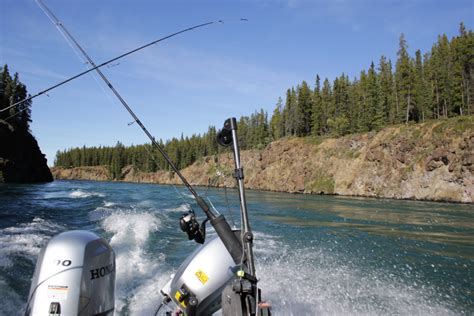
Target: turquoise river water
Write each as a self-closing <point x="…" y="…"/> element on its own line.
<point x="314" y="254"/>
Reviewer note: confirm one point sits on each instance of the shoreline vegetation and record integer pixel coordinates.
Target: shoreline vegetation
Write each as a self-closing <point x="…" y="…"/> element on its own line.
<point x="336" y="127"/>
<point x="433" y="86"/>
<point x="21" y="159"/>
<point x="432" y="161"/>
<point x="401" y="130"/>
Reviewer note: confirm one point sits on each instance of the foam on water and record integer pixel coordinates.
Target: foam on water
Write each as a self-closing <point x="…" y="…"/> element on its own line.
<point x="25" y="240"/>
<point x="312" y="280"/>
<point x="136" y="269"/>
<point x="299" y="272"/>
<point x="147" y="296"/>
<point x="180" y="209"/>
<point x="22" y="242"/>
<point x="84" y="194"/>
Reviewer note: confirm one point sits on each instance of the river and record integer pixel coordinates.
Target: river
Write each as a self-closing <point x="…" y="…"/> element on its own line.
<point x="314" y="254"/>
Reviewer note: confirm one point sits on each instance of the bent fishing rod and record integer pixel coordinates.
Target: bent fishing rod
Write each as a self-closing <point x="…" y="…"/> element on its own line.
<point x="219" y="223"/>
<point x="104" y="64"/>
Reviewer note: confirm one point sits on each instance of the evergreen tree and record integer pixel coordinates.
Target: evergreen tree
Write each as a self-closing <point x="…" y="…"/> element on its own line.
<point x="404" y="79"/>
<point x="277" y="124"/>
<point x="463" y="71"/>
<point x="290" y="113"/>
<point x="340" y="109"/>
<point x="421" y="90"/>
<point x="326" y="105"/>
<point x="362" y="115"/>
<point x="304" y="109"/>
<point x="434" y="85"/>
<point x="386" y="108"/>
<point x="317" y="111"/>
<point x="12" y="91"/>
<point x="445" y="74"/>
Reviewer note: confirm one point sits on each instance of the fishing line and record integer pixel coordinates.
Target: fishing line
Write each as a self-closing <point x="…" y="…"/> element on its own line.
<point x="106" y="63"/>
<point x="199" y="199"/>
<point x="73" y="44"/>
<point x="152" y="155"/>
<point x="215" y="182"/>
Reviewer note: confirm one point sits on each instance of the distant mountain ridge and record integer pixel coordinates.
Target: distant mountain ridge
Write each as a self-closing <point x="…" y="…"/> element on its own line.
<point x="429" y="161"/>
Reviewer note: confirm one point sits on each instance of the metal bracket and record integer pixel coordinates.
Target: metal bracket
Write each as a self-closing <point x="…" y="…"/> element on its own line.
<point x="239" y="174"/>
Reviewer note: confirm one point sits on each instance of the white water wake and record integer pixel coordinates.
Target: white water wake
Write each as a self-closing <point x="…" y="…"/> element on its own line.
<point x="23" y="241"/>
<point x="84" y="194"/>
<point x="138" y="277"/>
<point x="311" y="281"/>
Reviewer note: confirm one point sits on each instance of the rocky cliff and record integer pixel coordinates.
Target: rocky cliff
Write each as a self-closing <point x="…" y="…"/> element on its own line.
<point x="21" y="159"/>
<point x="431" y="161"/>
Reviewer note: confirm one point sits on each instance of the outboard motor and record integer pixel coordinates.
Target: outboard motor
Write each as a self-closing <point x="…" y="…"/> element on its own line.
<point x="197" y="285"/>
<point x="74" y="275"/>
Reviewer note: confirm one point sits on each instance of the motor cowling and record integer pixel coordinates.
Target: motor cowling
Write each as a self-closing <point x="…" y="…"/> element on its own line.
<point x="197" y="285"/>
<point x="74" y="275"/>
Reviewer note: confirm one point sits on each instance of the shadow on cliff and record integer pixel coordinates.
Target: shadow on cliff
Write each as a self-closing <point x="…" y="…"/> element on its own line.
<point x="21" y="159"/>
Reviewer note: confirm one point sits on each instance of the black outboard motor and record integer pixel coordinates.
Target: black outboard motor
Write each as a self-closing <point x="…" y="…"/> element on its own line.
<point x="74" y="275"/>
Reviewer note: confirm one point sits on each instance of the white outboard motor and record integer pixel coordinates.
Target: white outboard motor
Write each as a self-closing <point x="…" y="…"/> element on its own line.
<point x="74" y="275"/>
<point x="197" y="285"/>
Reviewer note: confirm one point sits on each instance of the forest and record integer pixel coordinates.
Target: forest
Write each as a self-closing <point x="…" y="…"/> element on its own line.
<point x="431" y="86"/>
<point x="12" y="91"/>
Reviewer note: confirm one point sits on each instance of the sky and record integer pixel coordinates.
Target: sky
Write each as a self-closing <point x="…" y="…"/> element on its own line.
<point x="189" y="82"/>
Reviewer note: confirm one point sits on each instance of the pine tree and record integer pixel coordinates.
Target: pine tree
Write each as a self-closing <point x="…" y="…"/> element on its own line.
<point x="386" y="108"/>
<point x="276" y="123"/>
<point x="290" y="113"/>
<point x="445" y="74"/>
<point x="326" y="105"/>
<point x="404" y="79"/>
<point x="4" y="92"/>
<point x="317" y="111"/>
<point x="12" y="91"/>
<point x="463" y="71"/>
<point x="421" y="89"/>
<point x="374" y="112"/>
<point x="304" y="109"/>
<point x="362" y="115"/>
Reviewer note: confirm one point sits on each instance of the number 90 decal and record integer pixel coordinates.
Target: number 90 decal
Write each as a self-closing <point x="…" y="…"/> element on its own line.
<point x="64" y="263"/>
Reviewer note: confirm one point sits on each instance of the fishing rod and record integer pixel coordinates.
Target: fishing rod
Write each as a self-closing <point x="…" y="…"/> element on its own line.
<point x="240" y="250"/>
<point x="99" y="66"/>
<point x="104" y="64"/>
<point x="189" y="224"/>
<point x="68" y="36"/>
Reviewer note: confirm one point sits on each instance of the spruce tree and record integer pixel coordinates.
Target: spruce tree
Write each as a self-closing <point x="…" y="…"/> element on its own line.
<point x="317" y="111"/>
<point x="386" y="106"/>
<point x="326" y="105"/>
<point x="404" y="80"/>
<point x="304" y="109"/>
<point x="375" y="115"/>
<point x="276" y="122"/>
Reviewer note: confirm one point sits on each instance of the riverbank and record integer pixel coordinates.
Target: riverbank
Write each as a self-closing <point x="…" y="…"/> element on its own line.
<point x="432" y="161"/>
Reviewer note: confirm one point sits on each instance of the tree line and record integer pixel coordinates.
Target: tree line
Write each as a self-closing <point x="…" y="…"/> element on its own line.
<point x="253" y="133"/>
<point x="12" y="91"/>
<point x="437" y="84"/>
<point x="434" y="85"/>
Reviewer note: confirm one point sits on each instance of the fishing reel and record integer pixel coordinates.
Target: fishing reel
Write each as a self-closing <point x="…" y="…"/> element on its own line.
<point x="191" y="227"/>
<point x="224" y="136"/>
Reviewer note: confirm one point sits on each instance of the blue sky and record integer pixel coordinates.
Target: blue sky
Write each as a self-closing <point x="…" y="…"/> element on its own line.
<point x="202" y="77"/>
